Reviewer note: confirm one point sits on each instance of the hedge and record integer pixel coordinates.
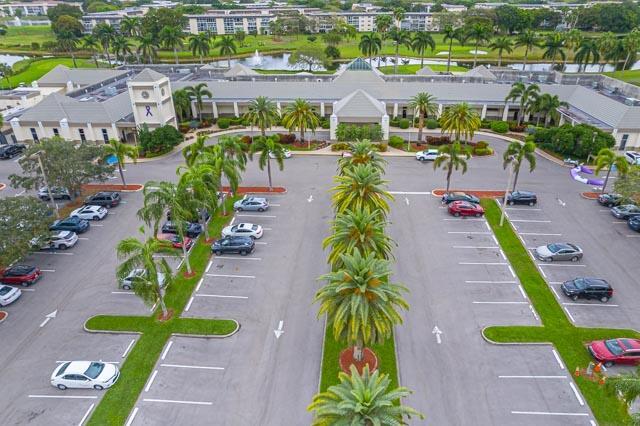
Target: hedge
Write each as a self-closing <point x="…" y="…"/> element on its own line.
<point x="500" y="126"/>
<point x="431" y="123"/>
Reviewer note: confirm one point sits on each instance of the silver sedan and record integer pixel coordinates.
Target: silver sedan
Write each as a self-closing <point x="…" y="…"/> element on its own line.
<point x="559" y="251"/>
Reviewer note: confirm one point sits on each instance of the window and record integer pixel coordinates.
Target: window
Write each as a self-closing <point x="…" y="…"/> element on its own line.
<point x="105" y="135"/>
<point x="623" y="142"/>
<point x="34" y="135"/>
<point x="83" y="138"/>
<point x="207" y="24"/>
<point x="56" y="132"/>
<point x="229" y="27"/>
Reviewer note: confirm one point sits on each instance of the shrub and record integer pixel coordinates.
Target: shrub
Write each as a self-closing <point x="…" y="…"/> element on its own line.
<point x="486" y="124"/>
<point x="347" y="132"/>
<point x="482" y="151"/>
<point x="500" y="126"/>
<point x="404" y="123"/>
<point x="481" y="144"/>
<point x="287" y="138"/>
<point x="246" y="139"/>
<point x="324" y="123"/>
<point x="183" y="128"/>
<point x="438" y="140"/>
<point x="396" y="141"/>
<point x="573" y="141"/>
<point x="35" y="45"/>
<point x="431" y="123"/>
<point x="340" y="146"/>
<point x="224" y="123"/>
<point x="160" y="140"/>
<point x="380" y="147"/>
<point x="515" y="127"/>
<point x="395" y="122"/>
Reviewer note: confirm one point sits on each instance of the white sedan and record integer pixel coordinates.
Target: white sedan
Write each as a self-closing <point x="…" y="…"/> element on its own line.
<point x="243" y="230"/>
<point x="286" y="154"/>
<point x="90" y="212"/>
<point x="56" y="241"/>
<point x="427" y="155"/>
<point x="85" y="375"/>
<point x="8" y="294"/>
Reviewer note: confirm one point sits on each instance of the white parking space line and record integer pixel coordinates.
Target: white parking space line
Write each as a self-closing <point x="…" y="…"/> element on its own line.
<point x="524" y="295"/>
<point x="569" y="314"/>
<point x="266" y="229"/>
<point x="554" y="292"/>
<point x="465" y="219"/>
<point x="503" y="255"/>
<point x="53" y="252"/>
<point x="230" y="276"/>
<point x="198" y="367"/>
<point x="532" y="377"/>
<point x="209" y="265"/>
<point x="186" y="309"/>
<point x="123" y="292"/>
<point x="274" y="205"/>
<point x="238" y="258"/>
<point x="126" y="351"/>
<point x="632" y="236"/>
<point x="257" y="215"/>
<point x="577" y="394"/>
<point x="548" y="413"/>
<point x="199" y="284"/>
<point x="599" y="305"/>
<point x="563" y="264"/>
<point x="522" y="208"/>
<point x="84" y="418"/>
<point x="477" y="247"/>
<point x="529" y="221"/>
<point x="222" y="296"/>
<point x="487" y="225"/>
<point x="495" y="240"/>
<point x="47" y="270"/>
<point x="592" y="423"/>
<point x="97" y="224"/>
<point x="490" y="282"/>
<point x="513" y="274"/>
<point x="64" y="396"/>
<point x="483" y="263"/>
<point x="20" y="193"/>
<point x="469" y="232"/>
<point x="153" y="377"/>
<point x="261" y="243"/>
<point x="409" y="193"/>
<point x="166" y="350"/>
<point x="499" y="303"/>
<point x="540" y="234"/>
<point x="605" y="210"/>
<point x="543" y="273"/>
<point x="171" y="401"/>
<point x="83" y="238"/>
<point x="557" y="357"/>
<point x="132" y="416"/>
<point x="533" y="311"/>
<point x="27" y="289"/>
<point x="619" y="222"/>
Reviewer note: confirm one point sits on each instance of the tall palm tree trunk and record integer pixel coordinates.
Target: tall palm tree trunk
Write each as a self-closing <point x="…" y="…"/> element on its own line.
<point x="449" y="56"/>
<point x="73" y="58"/>
<point x="229" y="61"/>
<point x="358" y="352"/>
<point x="475" y="54"/>
<point x="500" y="58"/>
<point x="422" y="60"/>
<point x="205" y="226"/>
<point x="395" y="66"/>
<point x="606" y="179"/>
<point x="106" y="51"/>
<point x="626" y="61"/>
<point x="175" y="54"/>
<point x="526" y="54"/>
<point x="121" y="174"/>
<point x="163" y="307"/>
<point x="302" y="138"/>
<point x="269" y="173"/>
<point x="185" y="256"/>
<point x="95" y="58"/>
<point x="449" y="172"/>
<point x="515" y="178"/>
<point x="420" y="126"/>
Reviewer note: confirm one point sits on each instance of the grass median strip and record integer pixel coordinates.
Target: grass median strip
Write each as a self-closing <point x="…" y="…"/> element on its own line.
<point x="556" y="328"/>
<point x="117" y="403"/>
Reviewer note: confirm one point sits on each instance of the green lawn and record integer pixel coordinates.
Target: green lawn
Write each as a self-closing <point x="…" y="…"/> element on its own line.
<point x="556" y="328"/>
<point x="20" y="38"/>
<point x="411" y="69"/>
<point x="629" y="76"/>
<point x="29" y="70"/>
<point x="117" y="403"/>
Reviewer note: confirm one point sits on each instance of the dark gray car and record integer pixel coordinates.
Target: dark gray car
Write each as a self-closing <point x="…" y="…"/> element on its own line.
<point x="242" y="245"/>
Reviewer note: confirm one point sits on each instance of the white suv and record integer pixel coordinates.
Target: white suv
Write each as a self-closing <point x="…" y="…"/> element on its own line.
<point x="632" y="157"/>
<point x="57" y="241"/>
<point x="427" y="155"/>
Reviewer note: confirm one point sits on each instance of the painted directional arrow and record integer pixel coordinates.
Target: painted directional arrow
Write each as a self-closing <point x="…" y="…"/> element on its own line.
<point x="279" y="332"/>
<point x="437" y="332"/>
<point x="49" y="318"/>
<point x="406" y="200"/>
<point x="310" y="199"/>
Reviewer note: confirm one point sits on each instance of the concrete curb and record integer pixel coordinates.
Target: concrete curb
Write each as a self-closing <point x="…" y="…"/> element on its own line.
<point x="484" y="336"/>
<point x="199" y="336"/>
<point x="6" y="315"/>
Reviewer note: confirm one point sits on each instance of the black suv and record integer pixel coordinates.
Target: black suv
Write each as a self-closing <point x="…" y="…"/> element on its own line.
<point x="587" y="288"/>
<point x="522" y="197"/>
<point x="610" y="200"/>
<point x="72" y="223"/>
<point x="192" y="230"/>
<point x="104" y="199"/>
<point x="450" y="197"/>
<point x="242" y="245"/>
<point x="12" y="150"/>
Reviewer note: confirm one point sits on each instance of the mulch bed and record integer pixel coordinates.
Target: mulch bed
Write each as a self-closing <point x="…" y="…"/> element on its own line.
<point x="2" y="186"/>
<point x="163" y="318"/>
<point x="477" y="193"/>
<point x="346" y="360"/>
<point x="3" y="316"/>
<point x="590" y="195"/>
<point x="257" y="190"/>
<point x="113" y="187"/>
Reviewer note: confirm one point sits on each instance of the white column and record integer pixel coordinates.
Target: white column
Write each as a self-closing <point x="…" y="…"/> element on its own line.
<point x="214" y="107"/>
<point x="64" y="129"/>
<point x="194" y="110"/>
<point x="573" y="122"/>
<point x="385" y="127"/>
<point x="440" y="108"/>
<point x="42" y="134"/>
<point x="561" y="121"/>
<point x="91" y="136"/>
<point x="614" y="133"/>
<point x="279" y="108"/>
<point x="321" y="109"/>
<point x="395" y="109"/>
<point x="484" y="112"/>
<point x="235" y="109"/>
<point x="114" y="129"/>
<point x="526" y="116"/>
<point x="333" y="126"/>
<point x="505" y="112"/>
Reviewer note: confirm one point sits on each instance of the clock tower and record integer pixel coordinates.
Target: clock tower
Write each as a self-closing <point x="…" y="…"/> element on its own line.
<point x="151" y="101"/>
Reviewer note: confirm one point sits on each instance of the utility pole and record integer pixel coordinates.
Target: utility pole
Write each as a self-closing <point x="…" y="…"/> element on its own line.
<point x="506" y="193"/>
<point x="44" y="177"/>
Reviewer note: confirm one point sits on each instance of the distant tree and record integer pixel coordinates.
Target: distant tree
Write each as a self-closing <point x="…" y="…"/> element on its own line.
<point x="63" y="9"/>
<point x="554" y="47"/>
<point x="182" y="104"/>
<point x="6" y="71"/>
<point x="572" y="41"/>
<point x="606" y="43"/>
<point x="480" y="33"/>
<point x="171" y="38"/>
<point x="512" y="19"/>
<point x="501" y="44"/>
<point x="450" y="34"/>
<point x="309" y="56"/>
<point x="105" y="33"/>
<point x="398" y="15"/>
<point x="91" y="43"/>
<point x="130" y="26"/>
<point x="452" y="157"/>
<point x="383" y="24"/>
<point x="370" y="44"/>
<point x="332" y="52"/>
<point x="421" y="41"/>
<point x="527" y="39"/>
<point x="227" y="48"/>
<point x="121" y="48"/>
<point x="199" y="45"/>
<point x="587" y="53"/>
<point x="424" y="105"/>
<point x="198" y="92"/>
<point x="300" y="115"/>
<point x="332" y="38"/>
<point x="121" y="151"/>
<point x="515" y="154"/>
<point x="147" y="47"/>
<point x="631" y="44"/>
<point x="400" y="38"/>
<point x="240" y="36"/>
<point x="67" y="24"/>
<point x="68" y="41"/>
<point x="608" y="159"/>
<point x="527" y="94"/>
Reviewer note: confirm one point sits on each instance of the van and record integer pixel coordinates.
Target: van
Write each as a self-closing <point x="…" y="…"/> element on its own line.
<point x="632" y="157"/>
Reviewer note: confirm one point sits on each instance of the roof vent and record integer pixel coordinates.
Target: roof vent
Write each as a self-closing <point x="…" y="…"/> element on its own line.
<point x="110" y="91"/>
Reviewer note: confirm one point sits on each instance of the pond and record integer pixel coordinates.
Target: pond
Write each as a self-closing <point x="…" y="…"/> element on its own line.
<point x="10" y="59"/>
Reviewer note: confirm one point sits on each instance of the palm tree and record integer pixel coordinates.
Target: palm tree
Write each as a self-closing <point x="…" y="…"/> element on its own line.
<point x="421" y="41"/>
<point x="358" y="187"/>
<point x="199" y="45"/>
<point x="452" y="157"/>
<point x="398" y="15"/>
<point x="627" y="385"/>
<point x="130" y="26"/>
<point x="233" y="147"/>
<point x="360" y="229"/>
<point x="400" y="38"/>
<point x="606" y="43"/>
<point x="529" y="39"/>
<point x="171" y="38"/>
<point x="140" y="255"/>
<point x="607" y="159"/>
<point x="501" y="44"/>
<point x="548" y="105"/>
<point x="262" y="113"/>
<point x="224" y="166"/>
<point x="450" y="34"/>
<point x="361" y="399"/>
<point x="383" y="23"/>
<point x="90" y="42"/>
<point x="227" y="48"/>
<point x="631" y="44"/>
<point x="423" y="104"/>
<point x="6" y="71"/>
<point x="572" y="40"/>
<point x="480" y="33"/>
<point x="362" y="152"/>
<point x="121" y="151"/>
<point x="300" y="115"/>
<point x="121" y="47"/>
<point x="460" y="121"/>
<point x="148" y="47"/>
<point x="200" y="179"/>
<point x="527" y="95"/>
<point x="370" y="44"/>
<point x="268" y="146"/>
<point x="588" y="52"/>
<point x="553" y="46"/>
<point x="182" y="104"/>
<point x="360" y="302"/>
<point x="198" y="92"/>
<point x="105" y="33"/>
<point x="68" y="41"/>
<point x="516" y="154"/>
<point x="192" y="152"/>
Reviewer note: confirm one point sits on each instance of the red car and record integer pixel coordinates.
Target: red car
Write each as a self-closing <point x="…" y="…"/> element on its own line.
<point x="465" y="208"/>
<point x="20" y="274"/>
<point x="175" y="240"/>
<point x="616" y="351"/>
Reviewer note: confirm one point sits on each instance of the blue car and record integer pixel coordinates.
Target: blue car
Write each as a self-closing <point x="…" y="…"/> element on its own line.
<point x="71" y="223"/>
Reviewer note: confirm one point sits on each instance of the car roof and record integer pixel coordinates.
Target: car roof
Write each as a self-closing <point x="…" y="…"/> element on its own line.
<point x="61" y="234"/>
<point x="104" y="193"/>
<point x="77" y="367"/>
<point x="245" y="225"/>
<point x="21" y="268"/>
<point x="458" y="193"/>
<point x="630" y="343"/>
<point x="524" y="192"/>
<point x="596" y="281"/>
<point x="254" y="199"/>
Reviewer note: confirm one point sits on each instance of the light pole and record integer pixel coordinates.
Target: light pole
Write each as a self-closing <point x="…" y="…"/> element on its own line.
<point x="44" y="178"/>
<point x="506" y="192"/>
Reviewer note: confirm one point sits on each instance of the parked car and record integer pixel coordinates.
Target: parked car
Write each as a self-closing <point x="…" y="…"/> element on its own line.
<point x="450" y="197"/>
<point x="632" y="157"/>
<point x="191" y="229"/>
<point x="634" y="223"/>
<point x="610" y="199"/>
<point x="8" y="294"/>
<point x="105" y="199"/>
<point x="559" y="251"/>
<point x="625" y="211"/>
<point x="587" y="288"/>
<point x="85" y="375"/>
<point x="61" y="240"/>
<point x="616" y="351"/>
<point x="465" y="208"/>
<point x="243" y="230"/>
<point x="129" y="281"/>
<point x="427" y="155"/>
<point x="251" y="204"/>
<point x="74" y="224"/>
<point x="11" y="150"/>
<point x="23" y="275"/>
<point x="286" y="154"/>
<point x="57" y="193"/>
<point x="242" y="245"/>
<point x="175" y="240"/>
<point x="90" y="212"/>
<point x="522" y="197"/>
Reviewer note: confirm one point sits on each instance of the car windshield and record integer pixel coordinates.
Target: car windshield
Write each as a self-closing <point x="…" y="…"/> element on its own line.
<point x="22" y="269"/>
<point x="254" y="227"/>
<point x="613" y="346"/>
<point x="94" y="370"/>
<point x="554" y="248"/>
<point x="4" y="290"/>
<point x="63" y="368"/>
<point x="580" y="283"/>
